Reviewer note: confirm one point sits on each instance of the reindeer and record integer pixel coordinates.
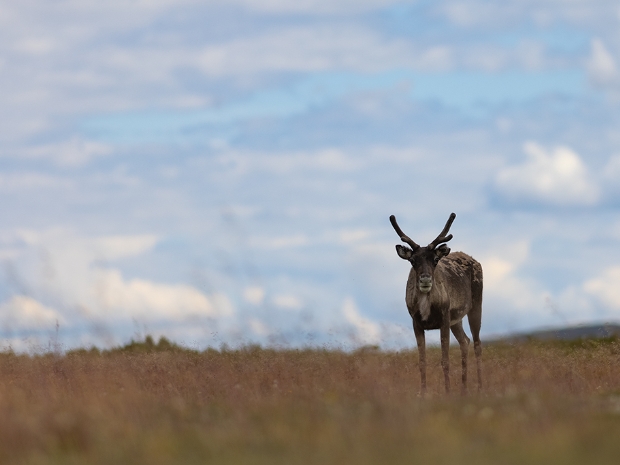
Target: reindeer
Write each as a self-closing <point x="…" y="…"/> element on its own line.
<point x="441" y="290"/>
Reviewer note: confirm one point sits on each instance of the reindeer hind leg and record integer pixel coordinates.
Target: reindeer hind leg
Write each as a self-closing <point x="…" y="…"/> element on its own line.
<point x="463" y="340"/>
<point x="444" y="334"/>
<point x="475" y="319"/>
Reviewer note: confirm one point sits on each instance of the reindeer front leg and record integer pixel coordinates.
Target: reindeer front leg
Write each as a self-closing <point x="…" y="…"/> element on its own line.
<point x="445" y="351"/>
<point x="421" y="340"/>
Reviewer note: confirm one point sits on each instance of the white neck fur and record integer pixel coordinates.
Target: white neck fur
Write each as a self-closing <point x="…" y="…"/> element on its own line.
<point x="424" y="304"/>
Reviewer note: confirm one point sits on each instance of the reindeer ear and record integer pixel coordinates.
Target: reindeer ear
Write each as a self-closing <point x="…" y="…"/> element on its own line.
<point x="442" y="251"/>
<point x="404" y="252"/>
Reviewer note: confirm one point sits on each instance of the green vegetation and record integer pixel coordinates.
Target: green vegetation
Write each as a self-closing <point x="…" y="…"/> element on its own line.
<point x="147" y="346"/>
<point x="159" y="403"/>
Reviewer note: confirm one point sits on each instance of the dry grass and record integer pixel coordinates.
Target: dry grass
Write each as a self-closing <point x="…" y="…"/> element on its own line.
<point x="541" y="404"/>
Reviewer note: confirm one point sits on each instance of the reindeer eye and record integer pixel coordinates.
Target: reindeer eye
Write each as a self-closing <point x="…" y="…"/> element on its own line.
<point x="436" y="260"/>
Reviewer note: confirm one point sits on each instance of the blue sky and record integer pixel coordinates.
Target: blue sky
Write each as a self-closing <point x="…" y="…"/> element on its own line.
<point x="224" y="172"/>
<point x="474" y="94"/>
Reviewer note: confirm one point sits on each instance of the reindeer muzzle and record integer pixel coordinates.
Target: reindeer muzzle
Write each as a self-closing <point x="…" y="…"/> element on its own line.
<point x="425" y="284"/>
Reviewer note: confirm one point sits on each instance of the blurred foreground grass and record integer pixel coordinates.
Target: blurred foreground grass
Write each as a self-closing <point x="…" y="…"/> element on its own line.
<point x="161" y="404"/>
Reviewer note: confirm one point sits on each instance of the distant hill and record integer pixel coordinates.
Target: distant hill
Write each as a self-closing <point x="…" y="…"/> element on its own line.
<point x="570" y="333"/>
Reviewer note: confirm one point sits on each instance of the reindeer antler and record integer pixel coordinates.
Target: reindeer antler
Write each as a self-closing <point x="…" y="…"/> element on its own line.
<point x="402" y="235"/>
<point x="442" y="235"/>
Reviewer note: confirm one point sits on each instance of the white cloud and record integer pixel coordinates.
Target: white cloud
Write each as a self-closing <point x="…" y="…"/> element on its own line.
<point x="483" y="14"/>
<point x="514" y="300"/>
<point x="328" y="160"/>
<point x="307" y="49"/>
<point x="73" y="152"/>
<point x="486" y="57"/>
<point x="435" y="58"/>
<point x="33" y="181"/>
<point x="35" y="46"/>
<point x="502" y="281"/>
<point x="25" y="313"/>
<point x="139" y="298"/>
<point x="121" y="246"/>
<point x="353" y="236"/>
<point x="612" y="168"/>
<point x="254" y="295"/>
<point x="606" y="287"/>
<point x="601" y="64"/>
<point x="60" y="243"/>
<point x="287" y="301"/>
<point x="531" y="54"/>
<point x="558" y="178"/>
<point x="366" y="331"/>
<point x="310" y="7"/>
<point x="258" y="327"/>
<point x="284" y="242"/>
<point x="460" y="13"/>
<point x="64" y="267"/>
<point x="314" y="7"/>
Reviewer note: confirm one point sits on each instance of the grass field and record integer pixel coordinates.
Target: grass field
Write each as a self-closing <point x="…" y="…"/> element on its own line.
<point x="151" y="403"/>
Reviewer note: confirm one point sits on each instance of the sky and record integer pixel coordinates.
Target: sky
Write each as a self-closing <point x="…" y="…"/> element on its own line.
<point x="223" y="172"/>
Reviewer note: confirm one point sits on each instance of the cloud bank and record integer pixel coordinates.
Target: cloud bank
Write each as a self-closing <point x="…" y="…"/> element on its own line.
<point x="556" y="178"/>
<point x="223" y="172"/>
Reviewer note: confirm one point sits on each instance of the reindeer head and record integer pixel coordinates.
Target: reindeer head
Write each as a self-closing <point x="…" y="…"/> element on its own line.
<point x="424" y="259"/>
